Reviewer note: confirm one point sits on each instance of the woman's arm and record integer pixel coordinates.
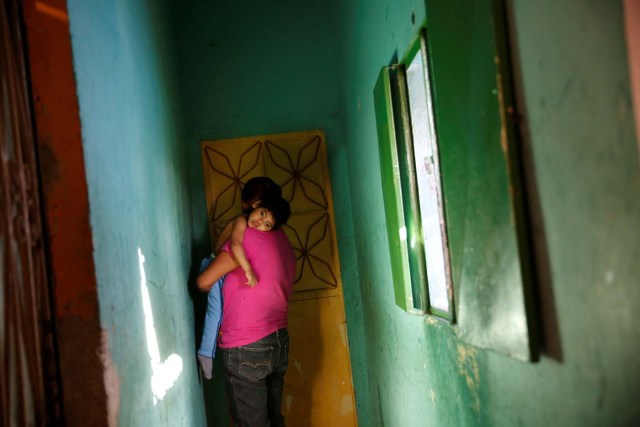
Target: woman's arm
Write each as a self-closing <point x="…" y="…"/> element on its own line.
<point x="237" y="235"/>
<point x="221" y="265"/>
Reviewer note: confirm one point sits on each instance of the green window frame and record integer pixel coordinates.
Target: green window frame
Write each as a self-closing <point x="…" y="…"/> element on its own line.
<point x="415" y="211"/>
<point x="485" y="238"/>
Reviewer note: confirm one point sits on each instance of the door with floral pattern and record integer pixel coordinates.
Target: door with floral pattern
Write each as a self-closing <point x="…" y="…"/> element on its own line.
<point x="318" y="386"/>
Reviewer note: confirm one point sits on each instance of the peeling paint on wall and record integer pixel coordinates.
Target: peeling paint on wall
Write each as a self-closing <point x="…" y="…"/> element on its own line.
<point x="431" y="321"/>
<point x="111" y="381"/>
<point x="468" y="368"/>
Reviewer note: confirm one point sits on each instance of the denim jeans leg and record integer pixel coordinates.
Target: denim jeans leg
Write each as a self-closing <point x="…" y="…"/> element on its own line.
<point x="245" y="373"/>
<point x="275" y="380"/>
<point x="254" y="380"/>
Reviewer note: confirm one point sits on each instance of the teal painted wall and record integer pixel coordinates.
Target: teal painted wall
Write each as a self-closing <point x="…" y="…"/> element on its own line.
<point x="584" y="170"/>
<point x="132" y="130"/>
<point x="256" y="67"/>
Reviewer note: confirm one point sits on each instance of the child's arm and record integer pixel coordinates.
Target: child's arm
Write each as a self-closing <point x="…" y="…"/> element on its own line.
<point x="237" y="235"/>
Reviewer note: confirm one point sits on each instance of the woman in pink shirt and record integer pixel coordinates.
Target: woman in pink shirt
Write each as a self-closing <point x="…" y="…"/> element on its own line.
<point x="253" y="339"/>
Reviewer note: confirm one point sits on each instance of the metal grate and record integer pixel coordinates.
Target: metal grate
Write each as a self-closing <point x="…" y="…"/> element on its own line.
<point x="27" y="358"/>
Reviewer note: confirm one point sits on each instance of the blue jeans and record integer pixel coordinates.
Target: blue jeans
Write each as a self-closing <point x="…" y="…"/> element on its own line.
<point x="254" y="380"/>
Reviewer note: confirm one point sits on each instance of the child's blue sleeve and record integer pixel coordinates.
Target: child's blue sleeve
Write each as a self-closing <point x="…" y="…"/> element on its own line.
<point x="213" y="317"/>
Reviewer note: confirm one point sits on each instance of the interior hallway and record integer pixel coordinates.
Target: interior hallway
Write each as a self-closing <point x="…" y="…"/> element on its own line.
<point x="122" y="93"/>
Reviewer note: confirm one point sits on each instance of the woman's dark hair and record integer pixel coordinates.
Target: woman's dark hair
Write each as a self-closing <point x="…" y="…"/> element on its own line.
<point x="279" y="208"/>
<point x="259" y="188"/>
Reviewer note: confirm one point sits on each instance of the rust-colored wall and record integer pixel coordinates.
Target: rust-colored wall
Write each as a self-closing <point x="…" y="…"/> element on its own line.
<point x="632" y="30"/>
<point x="66" y="207"/>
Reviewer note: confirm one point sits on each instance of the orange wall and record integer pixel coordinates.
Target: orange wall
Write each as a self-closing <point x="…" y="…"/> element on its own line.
<point x="61" y="162"/>
<point x="632" y="24"/>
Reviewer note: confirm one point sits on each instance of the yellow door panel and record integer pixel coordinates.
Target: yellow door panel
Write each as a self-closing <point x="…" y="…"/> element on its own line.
<point x="310" y="234"/>
<point x="318" y="390"/>
<point x="318" y="387"/>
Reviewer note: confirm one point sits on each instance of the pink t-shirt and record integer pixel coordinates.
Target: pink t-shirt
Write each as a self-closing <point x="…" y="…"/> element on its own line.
<point x="249" y="314"/>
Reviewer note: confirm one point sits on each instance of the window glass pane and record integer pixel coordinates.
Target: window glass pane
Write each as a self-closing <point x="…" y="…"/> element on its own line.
<point x="428" y="182"/>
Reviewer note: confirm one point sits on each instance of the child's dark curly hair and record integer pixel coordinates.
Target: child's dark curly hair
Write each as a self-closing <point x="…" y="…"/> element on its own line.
<point x="279" y="208"/>
<point x="259" y="188"/>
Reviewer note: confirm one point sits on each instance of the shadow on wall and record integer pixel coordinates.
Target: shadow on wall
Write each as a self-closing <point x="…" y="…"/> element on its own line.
<point x="544" y="300"/>
<point x="213" y="390"/>
<point x="199" y="298"/>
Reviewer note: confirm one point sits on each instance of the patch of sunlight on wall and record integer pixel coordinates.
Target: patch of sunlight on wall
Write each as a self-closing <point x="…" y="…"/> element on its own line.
<point x="165" y="373"/>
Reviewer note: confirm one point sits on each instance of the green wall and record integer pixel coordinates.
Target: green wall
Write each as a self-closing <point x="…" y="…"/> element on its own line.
<point x="252" y="68"/>
<point x="584" y="179"/>
<point x="415" y="367"/>
<point x="138" y="191"/>
<point x="149" y="91"/>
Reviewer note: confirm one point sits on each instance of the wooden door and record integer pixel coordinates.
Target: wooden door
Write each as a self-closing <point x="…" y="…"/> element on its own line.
<point x="318" y="386"/>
